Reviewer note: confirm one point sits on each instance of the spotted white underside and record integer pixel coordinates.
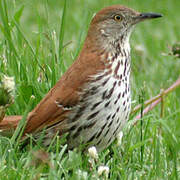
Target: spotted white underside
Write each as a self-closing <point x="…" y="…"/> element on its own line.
<point x="112" y="112"/>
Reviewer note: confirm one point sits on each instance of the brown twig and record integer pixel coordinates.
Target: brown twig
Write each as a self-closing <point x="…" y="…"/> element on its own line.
<point x="150" y="101"/>
<point x="155" y="100"/>
<point x="148" y="108"/>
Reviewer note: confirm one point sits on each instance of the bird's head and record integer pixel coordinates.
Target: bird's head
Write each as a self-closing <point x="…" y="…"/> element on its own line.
<point x="116" y="22"/>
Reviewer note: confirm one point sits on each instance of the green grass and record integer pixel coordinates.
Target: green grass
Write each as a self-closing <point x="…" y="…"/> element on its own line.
<point x="38" y="40"/>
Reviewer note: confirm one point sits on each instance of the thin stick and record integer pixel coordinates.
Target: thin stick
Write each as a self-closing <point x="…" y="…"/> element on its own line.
<point x="148" y="108"/>
<point x="156" y="98"/>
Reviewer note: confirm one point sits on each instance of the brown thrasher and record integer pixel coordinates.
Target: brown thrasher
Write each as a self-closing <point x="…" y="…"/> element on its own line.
<point x="92" y="100"/>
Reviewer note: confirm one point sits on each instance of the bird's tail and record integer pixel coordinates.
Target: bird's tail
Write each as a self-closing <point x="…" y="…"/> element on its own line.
<point x="9" y="124"/>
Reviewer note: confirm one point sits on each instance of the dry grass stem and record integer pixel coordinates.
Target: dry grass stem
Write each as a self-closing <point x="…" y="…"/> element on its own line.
<point x="156" y="100"/>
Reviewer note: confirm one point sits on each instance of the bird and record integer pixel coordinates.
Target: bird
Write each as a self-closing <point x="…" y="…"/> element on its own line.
<point x="92" y="100"/>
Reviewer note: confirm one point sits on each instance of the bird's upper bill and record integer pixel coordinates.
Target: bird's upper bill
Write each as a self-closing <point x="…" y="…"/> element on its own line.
<point x="143" y="16"/>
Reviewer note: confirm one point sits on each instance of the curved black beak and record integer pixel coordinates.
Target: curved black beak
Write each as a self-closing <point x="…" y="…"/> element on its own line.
<point x="144" y="16"/>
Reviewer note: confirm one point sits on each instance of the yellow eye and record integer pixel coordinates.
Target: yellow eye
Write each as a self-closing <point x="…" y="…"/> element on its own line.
<point x="117" y="17"/>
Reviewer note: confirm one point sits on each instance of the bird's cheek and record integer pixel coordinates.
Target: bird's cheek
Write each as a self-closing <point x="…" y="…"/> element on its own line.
<point x="104" y="33"/>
